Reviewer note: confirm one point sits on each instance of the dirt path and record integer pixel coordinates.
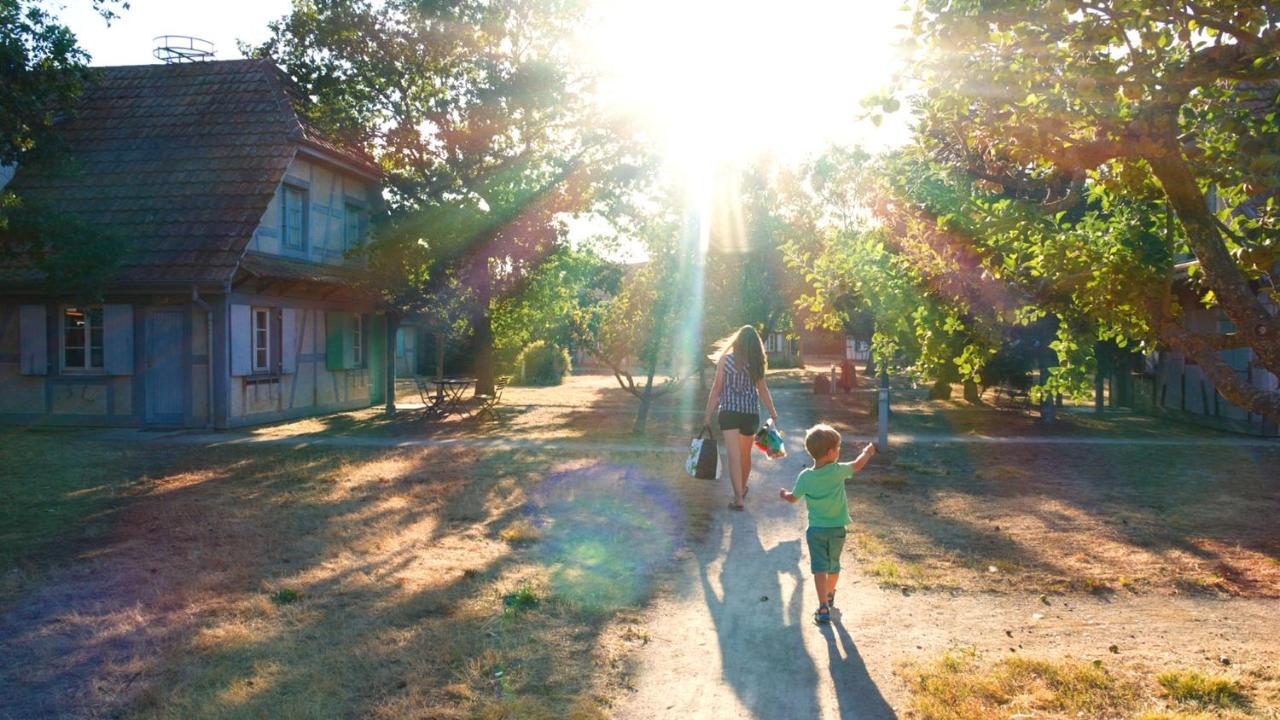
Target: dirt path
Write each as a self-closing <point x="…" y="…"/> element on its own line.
<point x="734" y="638"/>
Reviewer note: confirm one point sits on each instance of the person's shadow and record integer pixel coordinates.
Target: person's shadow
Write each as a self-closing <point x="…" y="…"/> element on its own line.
<point x="762" y="654"/>
<point x="856" y="693"/>
<point x="762" y="646"/>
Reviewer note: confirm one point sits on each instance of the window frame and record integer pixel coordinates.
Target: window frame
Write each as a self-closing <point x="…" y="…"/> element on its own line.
<point x="86" y="346"/>
<point x="255" y="335"/>
<point x="304" y="202"/>
<point x="352" y="234"/>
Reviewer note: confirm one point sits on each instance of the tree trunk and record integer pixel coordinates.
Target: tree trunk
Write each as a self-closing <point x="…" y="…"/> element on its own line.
<point x="482" y="324"/>
<point x="439" y="354"/>
<point x="1046" y="402"/>
<point x="1230" y="287"/>
<point x="646" y="399"/>
<point x="940" y="390"/>
<point x="971" y="393"/>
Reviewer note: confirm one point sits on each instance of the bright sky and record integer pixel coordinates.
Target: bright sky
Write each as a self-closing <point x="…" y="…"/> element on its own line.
<point x="128" y="41"/>
<point x="714" y="79"/>
<point x="722" y="79"/>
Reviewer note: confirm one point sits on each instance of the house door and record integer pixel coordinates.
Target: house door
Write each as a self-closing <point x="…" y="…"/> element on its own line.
<point x="165" y="388"/>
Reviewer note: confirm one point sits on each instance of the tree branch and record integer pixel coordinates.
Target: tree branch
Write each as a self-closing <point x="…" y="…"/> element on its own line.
<point x="1225" y="380"/>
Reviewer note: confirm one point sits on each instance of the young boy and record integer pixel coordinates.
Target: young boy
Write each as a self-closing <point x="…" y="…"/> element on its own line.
<point x="822" y="487"/>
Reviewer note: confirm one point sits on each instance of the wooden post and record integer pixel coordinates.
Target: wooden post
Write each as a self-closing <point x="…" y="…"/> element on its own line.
<point x="389" y="350"/>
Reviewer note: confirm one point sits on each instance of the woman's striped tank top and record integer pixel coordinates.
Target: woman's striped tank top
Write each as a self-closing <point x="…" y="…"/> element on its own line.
<point x="738" y="393"/>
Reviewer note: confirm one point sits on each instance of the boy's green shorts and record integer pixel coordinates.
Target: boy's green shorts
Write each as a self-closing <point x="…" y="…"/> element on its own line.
<point x="825" y="546"/>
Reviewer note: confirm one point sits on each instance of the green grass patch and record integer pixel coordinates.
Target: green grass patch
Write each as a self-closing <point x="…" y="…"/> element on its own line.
<point x="897" y="574"/>
<point x="1206" y="691"/>
<point x="285" y="596"/>
<point x="520" y="532"/>
<point x="958" y="686"/>
<point x="523" y="598"/>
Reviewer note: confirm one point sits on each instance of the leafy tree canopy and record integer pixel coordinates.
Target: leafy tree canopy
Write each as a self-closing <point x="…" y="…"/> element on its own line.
<point x="1069" y="152"/>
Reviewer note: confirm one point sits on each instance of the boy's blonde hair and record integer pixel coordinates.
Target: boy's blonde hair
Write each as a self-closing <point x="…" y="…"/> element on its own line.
<point x="820" y="440"/>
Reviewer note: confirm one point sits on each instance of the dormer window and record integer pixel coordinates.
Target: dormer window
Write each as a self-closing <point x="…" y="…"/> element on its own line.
<point x="293" y="225"/>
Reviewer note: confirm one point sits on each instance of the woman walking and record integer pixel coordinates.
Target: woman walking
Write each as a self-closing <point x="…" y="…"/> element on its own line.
<point x="737" y="392"/>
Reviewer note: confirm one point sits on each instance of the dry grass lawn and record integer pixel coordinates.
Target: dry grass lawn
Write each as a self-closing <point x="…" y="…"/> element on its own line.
<point x="1054" y="518"/>
<point x="296" y="579"/>
<point x="310" y="582"/>
<point x="963" y="685"/>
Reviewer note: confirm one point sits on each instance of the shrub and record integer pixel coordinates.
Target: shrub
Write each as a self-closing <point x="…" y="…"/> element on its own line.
<point x="541" y="363"/>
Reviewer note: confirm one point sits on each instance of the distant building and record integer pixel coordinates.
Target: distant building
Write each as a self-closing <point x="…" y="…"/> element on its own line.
<point x="236" y="303"/>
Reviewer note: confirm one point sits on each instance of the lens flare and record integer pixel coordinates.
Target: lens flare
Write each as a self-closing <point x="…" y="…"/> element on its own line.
<point x="605" y="530"/>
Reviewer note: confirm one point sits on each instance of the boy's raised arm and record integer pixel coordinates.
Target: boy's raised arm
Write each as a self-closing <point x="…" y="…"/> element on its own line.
<point x="863" y="458"/>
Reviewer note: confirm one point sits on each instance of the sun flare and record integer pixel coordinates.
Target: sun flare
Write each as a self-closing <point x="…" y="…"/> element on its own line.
<point x="720" y="81"/>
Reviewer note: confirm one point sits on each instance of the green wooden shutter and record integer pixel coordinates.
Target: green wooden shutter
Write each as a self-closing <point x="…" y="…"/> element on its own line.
<point x="335" y="340"/>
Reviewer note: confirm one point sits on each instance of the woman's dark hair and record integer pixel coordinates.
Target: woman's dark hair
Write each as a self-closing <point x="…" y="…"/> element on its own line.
<point x="746" y="347"/>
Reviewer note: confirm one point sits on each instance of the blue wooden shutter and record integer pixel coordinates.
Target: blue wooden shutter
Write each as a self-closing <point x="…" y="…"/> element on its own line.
<point x="33" y="339"/>
<point x="241" y="340"/>
<point x="290" y="339"/>
<point x="117" y="339"/>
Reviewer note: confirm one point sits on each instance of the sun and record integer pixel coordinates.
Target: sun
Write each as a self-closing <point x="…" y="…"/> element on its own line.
<point x="720" y="81"/>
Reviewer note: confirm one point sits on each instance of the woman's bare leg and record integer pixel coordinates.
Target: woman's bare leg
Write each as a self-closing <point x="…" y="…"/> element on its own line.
<point x="733" y="458"/>
<point x="744" y="446"/>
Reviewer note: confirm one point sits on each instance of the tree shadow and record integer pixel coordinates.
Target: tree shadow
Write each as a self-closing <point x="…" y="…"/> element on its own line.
<point x="396" y="571"/>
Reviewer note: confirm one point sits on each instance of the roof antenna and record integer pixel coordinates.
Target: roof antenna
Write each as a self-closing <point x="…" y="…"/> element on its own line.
<point x="173" y="49"/>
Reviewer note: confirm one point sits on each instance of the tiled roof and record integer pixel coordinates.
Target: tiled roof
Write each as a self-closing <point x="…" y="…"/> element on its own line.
<point x="181" y="160"/>
<point x="274" y="266"/>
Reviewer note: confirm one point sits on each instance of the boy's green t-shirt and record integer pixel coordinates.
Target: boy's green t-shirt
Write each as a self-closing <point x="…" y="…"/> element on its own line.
<point x="823" y="493"/>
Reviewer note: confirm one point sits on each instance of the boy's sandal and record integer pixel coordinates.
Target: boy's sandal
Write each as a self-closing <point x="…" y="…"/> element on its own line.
<point x="823" y="616"/>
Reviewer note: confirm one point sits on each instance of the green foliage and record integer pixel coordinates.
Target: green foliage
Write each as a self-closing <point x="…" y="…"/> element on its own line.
<point x="548" y="305"/>
<point x="541" y="363"/>
<point x="1073" y="148"/>
<point x="44" y="73"/>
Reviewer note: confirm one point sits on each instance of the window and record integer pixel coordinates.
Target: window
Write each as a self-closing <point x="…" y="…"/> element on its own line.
<point x="261" y="340"/>
<point x="82" y="338"/>
<point x="357" y="340"/>
<point x="353" y="229"/>
<point x="294" y="223"/>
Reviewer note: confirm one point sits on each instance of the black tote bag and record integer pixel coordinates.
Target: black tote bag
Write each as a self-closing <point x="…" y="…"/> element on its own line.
<point x="707" y="455"/>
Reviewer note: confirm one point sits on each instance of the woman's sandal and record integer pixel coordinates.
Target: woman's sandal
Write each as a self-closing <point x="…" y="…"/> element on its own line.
<point x="737" y="506"/>
<point x="823" y="616"/>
